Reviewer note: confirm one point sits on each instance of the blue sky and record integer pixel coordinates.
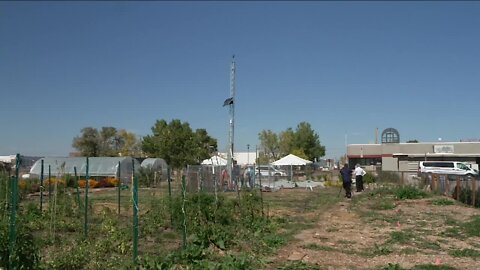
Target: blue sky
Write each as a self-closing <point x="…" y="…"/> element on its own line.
<point x="347" y="68"/>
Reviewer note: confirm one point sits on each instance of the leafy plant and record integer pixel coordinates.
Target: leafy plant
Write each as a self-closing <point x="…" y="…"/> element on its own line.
<point x="25" y="255"/>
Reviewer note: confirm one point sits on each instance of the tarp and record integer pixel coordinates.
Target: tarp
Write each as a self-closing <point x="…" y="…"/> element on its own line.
<point x="215" y="160"/>
<point x="291" y="160"/>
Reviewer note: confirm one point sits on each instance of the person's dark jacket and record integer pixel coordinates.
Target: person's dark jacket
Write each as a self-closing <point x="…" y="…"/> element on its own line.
<point x="346" y="174"/>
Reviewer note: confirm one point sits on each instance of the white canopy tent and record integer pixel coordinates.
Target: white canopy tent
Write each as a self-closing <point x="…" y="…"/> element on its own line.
<point x="215" y="160"/>
<point x="291" y="160"/>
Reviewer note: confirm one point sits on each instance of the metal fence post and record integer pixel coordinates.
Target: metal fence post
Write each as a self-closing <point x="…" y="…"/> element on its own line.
<point x="135" y="214"/>
<point x="85" y="226"/>
<point x="184" y="231"/>
<point x="12" y="233"/>
<point x="41" y="187"/>
<point x="169" y="180"/>
<point x="49" y="184"/>
<point x="119" y="186"/>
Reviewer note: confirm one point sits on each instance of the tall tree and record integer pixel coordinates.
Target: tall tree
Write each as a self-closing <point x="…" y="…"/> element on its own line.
<point x="286" y="141"/>
<point x="107" y="142"/>
<point x="88" y="143"/>
<point x="178" y="144"/>
<point x="269" y="143"/>
<point x="302" y="142"/>
<point x="307" y="140"/>
<point x="129" y="144"/>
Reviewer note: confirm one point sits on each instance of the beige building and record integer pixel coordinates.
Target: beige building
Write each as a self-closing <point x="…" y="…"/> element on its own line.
<point x="391" y="155"/>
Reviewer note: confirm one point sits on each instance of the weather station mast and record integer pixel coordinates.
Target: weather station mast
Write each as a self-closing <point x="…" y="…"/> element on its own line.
<point x="231" y="103"/>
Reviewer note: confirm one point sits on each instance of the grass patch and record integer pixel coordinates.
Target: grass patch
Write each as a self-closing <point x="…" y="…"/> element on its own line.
<point x="442" y="201"/>
<point x="401" y="237"/>
<point x="346" y="242"/>
<point x="466" y="252"/>
<point x="381" y="250"/>
<point x="383" y="204"/>
<point x="428" y="245"/>
<point x="472" y="228"/>
<point x="453" y="232"/>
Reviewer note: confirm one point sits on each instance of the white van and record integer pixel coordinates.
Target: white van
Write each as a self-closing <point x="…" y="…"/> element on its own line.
<point x="268" y="170"/>
<point x="446" y="167"/>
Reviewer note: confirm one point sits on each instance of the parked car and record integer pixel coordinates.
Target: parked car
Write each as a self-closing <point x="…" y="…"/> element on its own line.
<point x="445" y="167"/>
<point x="268" y="170"/>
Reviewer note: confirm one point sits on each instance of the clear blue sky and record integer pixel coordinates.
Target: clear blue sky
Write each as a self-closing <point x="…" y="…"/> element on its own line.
<point x="344" y="67"/>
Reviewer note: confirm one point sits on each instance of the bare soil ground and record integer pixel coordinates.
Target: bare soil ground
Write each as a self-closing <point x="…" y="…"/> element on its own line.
<point x="352" y="235"/>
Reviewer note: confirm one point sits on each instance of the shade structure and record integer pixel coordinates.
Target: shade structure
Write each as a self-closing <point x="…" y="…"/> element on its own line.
<point x="97" y="166"/>
<point x="215" y="160"/>
<point x="291" y="160"/>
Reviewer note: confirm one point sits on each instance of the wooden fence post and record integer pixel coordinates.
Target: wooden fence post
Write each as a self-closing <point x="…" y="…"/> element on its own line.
<point x="474" y="190"/>
<point x="457" y="188"/>
<point x="447" y="187"/>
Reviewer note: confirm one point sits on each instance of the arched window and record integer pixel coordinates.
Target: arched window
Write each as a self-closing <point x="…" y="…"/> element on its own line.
<point x="390" y="135"/>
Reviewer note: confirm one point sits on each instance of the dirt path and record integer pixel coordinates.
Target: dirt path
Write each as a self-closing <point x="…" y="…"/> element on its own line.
<point x="341" y="239"/>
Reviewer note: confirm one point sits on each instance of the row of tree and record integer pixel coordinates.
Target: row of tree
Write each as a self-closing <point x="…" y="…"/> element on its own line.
<point x="175" y="142"/>
<point x="179" y="145"/>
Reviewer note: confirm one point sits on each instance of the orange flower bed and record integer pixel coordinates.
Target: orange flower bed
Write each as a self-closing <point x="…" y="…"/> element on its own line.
<point x="91" y="183"/>
<point x="112" y="181"/>
<point x="53" y="181"/>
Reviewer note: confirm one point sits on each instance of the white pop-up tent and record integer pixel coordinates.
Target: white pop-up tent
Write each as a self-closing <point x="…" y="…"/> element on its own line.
<point x="291" y="160"/>
<point x="215" y="160"/>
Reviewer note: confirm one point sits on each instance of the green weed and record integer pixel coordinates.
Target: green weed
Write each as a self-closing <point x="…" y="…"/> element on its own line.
<point x="409" y="192"/>
<point x="442" y="201"/>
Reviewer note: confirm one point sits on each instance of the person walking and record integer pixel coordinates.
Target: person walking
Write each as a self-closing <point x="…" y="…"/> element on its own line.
<point x="359" y="173"/>
<point x="346" y="174"/>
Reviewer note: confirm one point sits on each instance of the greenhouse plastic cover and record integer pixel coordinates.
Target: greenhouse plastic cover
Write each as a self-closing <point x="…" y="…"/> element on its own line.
<point x="155" y="164"/>
<point x="97" y="166"/>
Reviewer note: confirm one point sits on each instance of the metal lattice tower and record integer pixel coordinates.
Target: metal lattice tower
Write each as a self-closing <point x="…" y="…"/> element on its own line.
<point x="232" y="119"/>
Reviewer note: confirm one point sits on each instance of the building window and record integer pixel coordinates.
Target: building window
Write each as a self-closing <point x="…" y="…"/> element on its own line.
<point x="390" y="135"/>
